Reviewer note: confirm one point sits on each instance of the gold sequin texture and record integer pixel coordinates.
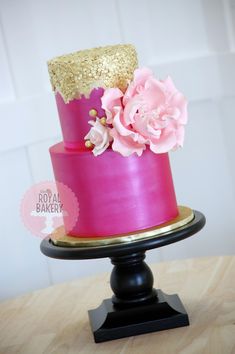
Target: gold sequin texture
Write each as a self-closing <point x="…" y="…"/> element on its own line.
<point x="78" y="73"/>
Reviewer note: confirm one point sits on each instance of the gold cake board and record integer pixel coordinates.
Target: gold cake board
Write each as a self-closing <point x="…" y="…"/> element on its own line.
<point x="59" y="238"/>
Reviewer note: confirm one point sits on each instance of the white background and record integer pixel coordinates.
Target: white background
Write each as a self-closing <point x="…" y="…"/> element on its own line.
<point x="191" y="40"/>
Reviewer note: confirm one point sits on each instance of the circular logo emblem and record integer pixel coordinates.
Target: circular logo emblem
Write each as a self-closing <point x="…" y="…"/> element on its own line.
<point x="47" y="206"/>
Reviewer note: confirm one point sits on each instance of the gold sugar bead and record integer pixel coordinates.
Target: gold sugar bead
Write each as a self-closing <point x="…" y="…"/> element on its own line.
<point x="93" y="113"/>
<point x="88" y="144"/>
<point x="103" y="121"/>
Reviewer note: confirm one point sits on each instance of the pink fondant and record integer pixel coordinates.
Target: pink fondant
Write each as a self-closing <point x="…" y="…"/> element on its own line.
<point x="116" y="194"/>
<point x="74" y="117"/>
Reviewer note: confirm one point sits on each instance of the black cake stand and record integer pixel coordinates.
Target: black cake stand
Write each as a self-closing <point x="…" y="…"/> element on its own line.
<point x="136" y="307"/>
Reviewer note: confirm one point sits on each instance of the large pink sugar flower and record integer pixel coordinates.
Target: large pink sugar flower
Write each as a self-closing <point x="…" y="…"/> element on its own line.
<point x="150" y="112"/>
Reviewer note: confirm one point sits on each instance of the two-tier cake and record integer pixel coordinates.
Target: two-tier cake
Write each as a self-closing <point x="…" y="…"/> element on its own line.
<point x="118" y="124"/>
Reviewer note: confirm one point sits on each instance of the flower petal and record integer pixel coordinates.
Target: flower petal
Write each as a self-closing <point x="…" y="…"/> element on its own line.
<point x="140" y="77"/>
<point x="110" y="99"/>
<point x="125" y="146"/>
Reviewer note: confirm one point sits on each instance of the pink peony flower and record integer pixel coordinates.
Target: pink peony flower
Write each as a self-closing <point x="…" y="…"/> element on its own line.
<point x="99" y="136"/>
<point x="150" y="112"/>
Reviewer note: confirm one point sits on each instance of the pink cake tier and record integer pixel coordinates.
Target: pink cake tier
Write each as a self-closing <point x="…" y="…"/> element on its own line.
<point x="116" y="194"/>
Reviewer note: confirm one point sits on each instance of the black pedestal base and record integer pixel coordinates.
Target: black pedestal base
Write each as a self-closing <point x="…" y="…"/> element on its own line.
<point x="136" y="307"/>
<point x="109" y="322"/>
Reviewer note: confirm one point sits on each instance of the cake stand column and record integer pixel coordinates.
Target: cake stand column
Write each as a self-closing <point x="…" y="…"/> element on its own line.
<point x="136" y="307"/>
<point x="131" y="281"/>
